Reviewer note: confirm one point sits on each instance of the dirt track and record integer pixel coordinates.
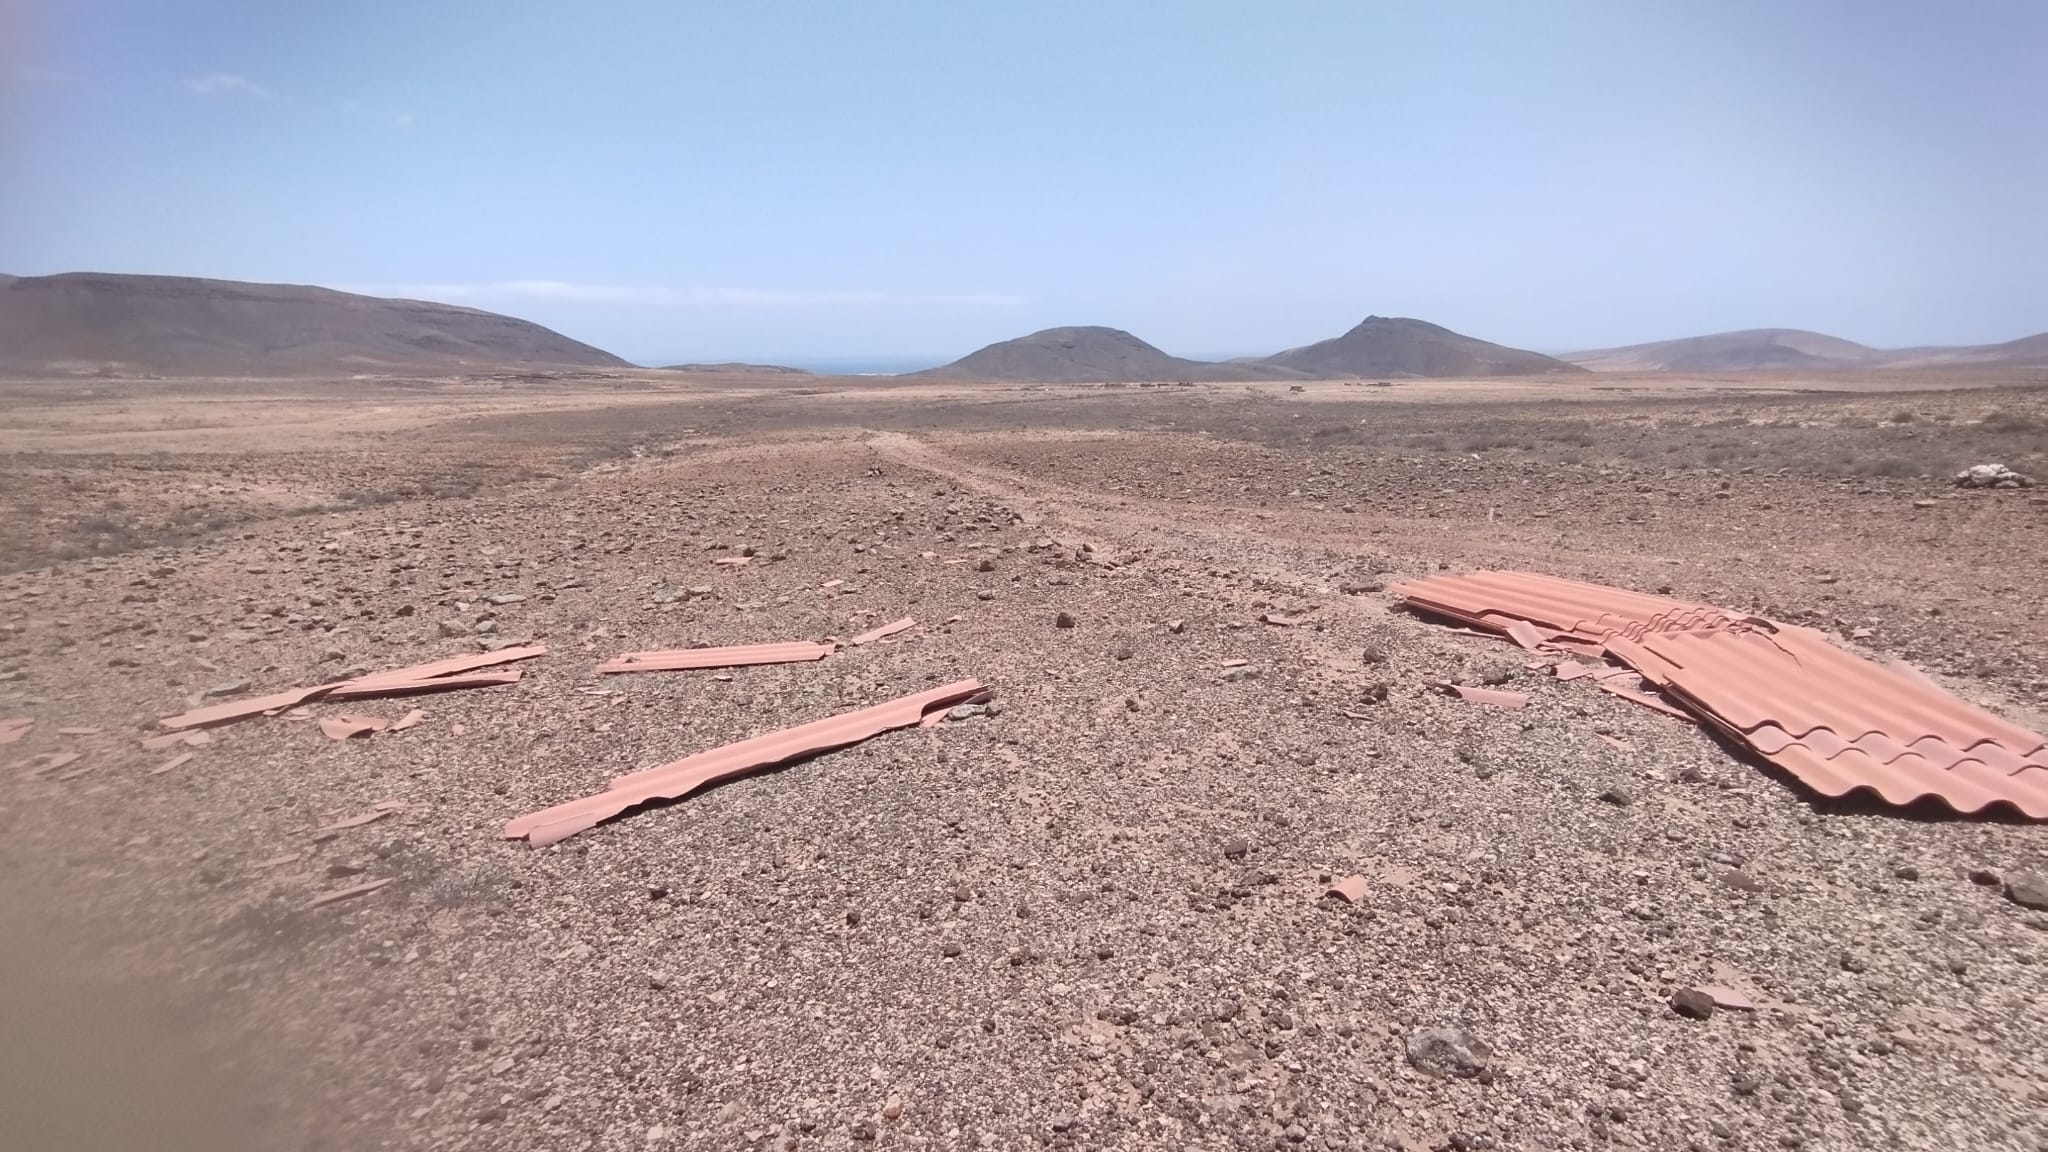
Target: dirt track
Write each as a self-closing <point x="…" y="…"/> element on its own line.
<point x="1035" y="927"/>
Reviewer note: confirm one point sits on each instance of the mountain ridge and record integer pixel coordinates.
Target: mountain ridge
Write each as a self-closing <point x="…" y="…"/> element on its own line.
<point x="77" y="322"/>
<point x="1799" y="349"/>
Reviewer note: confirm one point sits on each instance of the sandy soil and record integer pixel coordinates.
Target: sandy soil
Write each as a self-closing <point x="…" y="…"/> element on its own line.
<point x="1089" y="919"/>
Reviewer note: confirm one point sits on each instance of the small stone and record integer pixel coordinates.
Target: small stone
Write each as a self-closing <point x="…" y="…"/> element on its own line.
<point x="949" y="950"/>
<point x="1986" y="877"/>
<point x="1741" y="881"/>
<point x="985" y="566"/>
<point x="1692" y="1003"/>
<point x="1063" y="1123"/>
<point x="984" y="594"/>
<point x="2028" y="890"/>
<point x="1237" y="848"/>
<point x="233" y="689"/>
<point x="1177" y="627"/>
<point x="853" y="919"/>
<point x="1855" y="962"/>
<point x="1958" y="966"/>
<point x="864" y="1131"/>
<point x="1063" y="620"/>
<point x="1905" y="872"/>
<point x="1447" y="1052"/>
<point x="1618" y="797"/>
<point x="450" y="628"/>
<point x="893" y="1110"/>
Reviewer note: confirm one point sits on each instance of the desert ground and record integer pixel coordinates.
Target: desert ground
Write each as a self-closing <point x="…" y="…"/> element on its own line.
<point x="1092" y="916"/>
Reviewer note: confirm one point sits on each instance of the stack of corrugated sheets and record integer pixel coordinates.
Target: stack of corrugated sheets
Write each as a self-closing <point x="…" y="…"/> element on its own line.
<point x="1835" y="721"/>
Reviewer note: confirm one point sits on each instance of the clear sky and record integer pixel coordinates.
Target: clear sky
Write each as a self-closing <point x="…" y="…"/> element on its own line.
<point x="814" y="179"/>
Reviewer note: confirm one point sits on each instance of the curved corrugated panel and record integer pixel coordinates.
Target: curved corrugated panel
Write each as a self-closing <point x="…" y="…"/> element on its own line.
<point x="675" y="780"/>
<point x="736" y="656"/>
<point x="1565" y="605"/>
<point x="1801" y="683"/>
<point x="1836" y="722"/>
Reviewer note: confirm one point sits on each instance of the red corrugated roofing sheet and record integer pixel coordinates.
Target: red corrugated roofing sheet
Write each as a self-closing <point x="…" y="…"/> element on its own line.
<point x="679" y="778"/>
<point x="681" y="659"/>
<point x="1587" y="610"/>
<point x="1835" y="721"/>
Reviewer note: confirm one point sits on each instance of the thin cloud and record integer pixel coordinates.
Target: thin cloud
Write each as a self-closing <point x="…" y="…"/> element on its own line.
<point x="662" y="297"/>
<point x="34" y="76"/>
<point x="222" y="84"/>
<point x="403" y="119"/>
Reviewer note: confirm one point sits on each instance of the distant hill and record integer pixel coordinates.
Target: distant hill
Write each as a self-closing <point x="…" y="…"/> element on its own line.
<point x="1395" y="346"/>
<point x="1088" y="355"/>
<point x="1753" y="349"/>
<point x="179" y="326"/>
<point x="1794" y="349"/>
<point x="738" y="369"/>
<point x="2025" y="352"/>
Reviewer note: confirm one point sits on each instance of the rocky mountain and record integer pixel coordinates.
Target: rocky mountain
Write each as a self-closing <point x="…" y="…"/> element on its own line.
<point x="1796" y="350"/>
<point x="180" y="326"/>
<point x="1085" y="355"/>
<point x="1749" y="350"/>
<point x="1396" y="346"/>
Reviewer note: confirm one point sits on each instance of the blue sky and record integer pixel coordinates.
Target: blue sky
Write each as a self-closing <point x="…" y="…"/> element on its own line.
<point x="815" y="179"/>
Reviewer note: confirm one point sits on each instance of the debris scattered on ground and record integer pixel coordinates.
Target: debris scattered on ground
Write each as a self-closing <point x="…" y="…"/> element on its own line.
<point x="1350" y="889"/>
<point x="50" y="762"/>
<point x="1498" y="697"/>
<point x="370" y="689"/>
<point x="174" y="762"/>
<point x="350" y="725"/>
<point x="14" y="729"/>
<point x="1727" y="999"/>
<point x="243" y="709"/>
<point x="680" y="659"/>
<point x="1448" y="1052"/>
<point x="2027" y="890"/>
<point x="1646" y="700"/>
<point x="1279" y="619"/>
<point x="1837" y="722"/>
<point x="1992" y="476"/>
<point x="678" y="779"/>
<point x="371" y="816"/>
<point x="1695" y="1003"/>
<point x="409" y="720"/>
<point x="349" y="893"/>
<point x="162" y="740"/>
<point x="884" y="632"/>
<point x="436" y="676"/>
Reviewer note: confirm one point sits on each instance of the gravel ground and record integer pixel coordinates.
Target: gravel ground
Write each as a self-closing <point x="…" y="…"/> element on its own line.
<point x="1092" y="918"/>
